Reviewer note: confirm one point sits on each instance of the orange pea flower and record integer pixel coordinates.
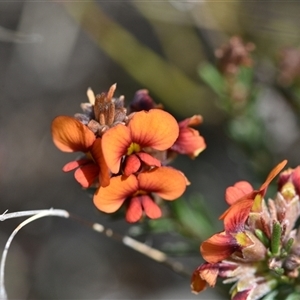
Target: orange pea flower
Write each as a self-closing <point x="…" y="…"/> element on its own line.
<point x="207" y="274"/>
<point x="260" y="244"/>
<point x="189" y="141"/>
<point x="70" y="135"/>
<point x="154" y="129"/>
<point x="243" y="199"/>
<point x="246" y="286"/>
<point x="136" y="192"/>
<point x="290" y="175"/>
<point x="240" y="207"/>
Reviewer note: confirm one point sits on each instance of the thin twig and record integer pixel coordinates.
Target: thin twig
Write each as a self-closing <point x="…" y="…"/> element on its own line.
<point x="140" y="247"/>
<point x="34" y="216"/>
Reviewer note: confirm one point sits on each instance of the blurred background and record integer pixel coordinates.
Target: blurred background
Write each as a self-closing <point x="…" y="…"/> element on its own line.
<point x="52" y="51"/>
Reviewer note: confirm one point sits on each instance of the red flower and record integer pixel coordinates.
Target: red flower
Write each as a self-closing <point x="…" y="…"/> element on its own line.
<point x="189" y="141"/>
<point x="292" y="176"/>
<point x="155" y="129"/>
<point x="240" y="208"/>
<point x="136" y="192"/>
<point x="70" y="135"/>
<point x="235" y="238"/>
<point x="207" y="274"/>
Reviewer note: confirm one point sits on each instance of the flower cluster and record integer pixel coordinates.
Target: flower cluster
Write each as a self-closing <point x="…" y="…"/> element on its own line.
<point x="259" y="249"/>
<point x="233" y="55"/>
<point x="126" y="151"/>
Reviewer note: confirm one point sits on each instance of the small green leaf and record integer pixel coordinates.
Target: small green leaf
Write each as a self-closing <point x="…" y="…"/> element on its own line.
<point x="194" y="217"/>
<point x="262" y="237"/>
<point x="293" y="296"/>
<point x="162" y="225"/>
<point x="270" y="296"/>
<point x="212" y="77"/>
<point x="275" y="239"/>
<point x="289" y="245"/>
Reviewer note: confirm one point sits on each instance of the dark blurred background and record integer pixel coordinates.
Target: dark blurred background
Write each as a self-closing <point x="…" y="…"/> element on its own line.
<point x="50" y="53"/>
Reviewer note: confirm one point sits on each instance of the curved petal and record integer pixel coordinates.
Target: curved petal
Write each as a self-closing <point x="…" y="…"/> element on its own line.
<point x="97" y="154"/>
<point x="192" y="121"/>
<point x="220" y="246"/>
<point x="69" y="135"/>
<point x="236" y="192"/>
<point x="151" y="209"/>
<point x="296" y="178"/>
<point x="70" y="166"/>
<point x="115" y="142"/>
<point x="134" y="210"/>
<point x="131" y="164"/>
<point x="206" y="273"/>
<point x="148" y="159"/>
<point x="189" y="142"/>
<point x="243" y="295"/>
<point x="155" y="128"/>
<point x="271" y="176"/>
<point x="167" y="182"/>
<point x="236" y="215"/>
<point x="110" y="198"/>
<point x="87" y="174"/>
<point x="197" y="283"/>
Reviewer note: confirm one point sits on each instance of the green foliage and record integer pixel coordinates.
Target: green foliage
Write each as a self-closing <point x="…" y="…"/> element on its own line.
<point x="270" y="296"/>
<point x="212" y="77"/>
<point x="194" y="217"/>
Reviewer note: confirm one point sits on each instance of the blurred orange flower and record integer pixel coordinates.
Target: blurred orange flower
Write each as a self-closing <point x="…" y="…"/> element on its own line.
<point x="257" y="238"/>
<point x="235" y="238"/>
<point x="189" y="141"/>
<point x="240" y="207"/>
<point x="70" y="135"/>
<point x="136" y="192"/>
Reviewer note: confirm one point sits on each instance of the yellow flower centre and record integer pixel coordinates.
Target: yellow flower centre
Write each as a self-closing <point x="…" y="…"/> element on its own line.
<point x="257" y="204"/>
<point x="133" y="148"/>
<point x="288" y="191"/>
<point x="139" y="192"/>
<point x="242" y="239"/>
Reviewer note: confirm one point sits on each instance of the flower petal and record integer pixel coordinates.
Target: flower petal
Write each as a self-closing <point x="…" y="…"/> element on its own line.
<point x="271" y="176"/>
<point x="155" y="128"/>
<point x="243" y="295"/>
<point x="70" y="166"/>
<point x="148" y="159"/>
<point x="189" y="142"/>
<point x="236" y="215"/>
<point x="142" y="101"/>
<point x="69" y="135"/>
<point x="131" y="164"/>
<point x="97" y="154"/>
<point x="115" y="142"/>
<point x="197" y="283"/>
<point x="167" y="182"/>
<point x="236" y="192"/>
<point x="134" y="210"/>
<point x="110" y="198"/>
<point x="87" y="174"/>
<point x="205" y="274"/>
<point x="151" y="209"/>
<point x="218" y="247"/>
<point x="195" y="120"/>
